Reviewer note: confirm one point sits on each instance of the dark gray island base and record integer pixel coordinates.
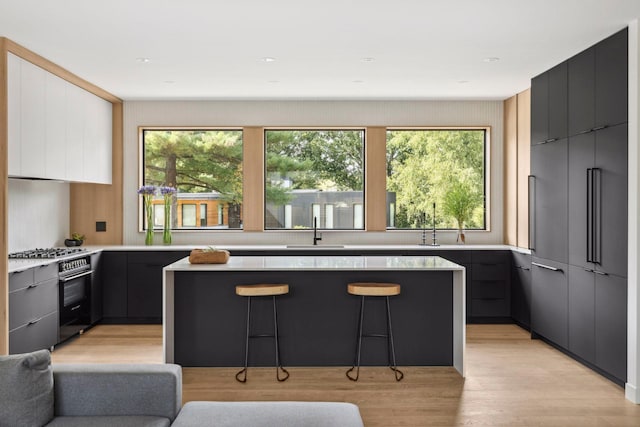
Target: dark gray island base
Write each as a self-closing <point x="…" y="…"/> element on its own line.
<point x="205" y="320"/>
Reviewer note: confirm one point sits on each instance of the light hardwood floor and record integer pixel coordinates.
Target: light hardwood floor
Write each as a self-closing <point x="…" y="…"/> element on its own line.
<point x="511" y="381"/>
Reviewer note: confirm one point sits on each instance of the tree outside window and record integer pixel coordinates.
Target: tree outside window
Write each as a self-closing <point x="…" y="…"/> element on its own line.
<point x="205" y="165"/>
<point x="441" y="166"/>
<point x="308" y="169"/>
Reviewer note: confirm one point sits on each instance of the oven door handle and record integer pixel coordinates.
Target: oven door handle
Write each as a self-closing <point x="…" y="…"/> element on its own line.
<point x="77" y="276"/>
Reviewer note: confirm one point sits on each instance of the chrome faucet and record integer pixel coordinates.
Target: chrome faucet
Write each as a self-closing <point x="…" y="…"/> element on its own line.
<point x="315" y="231"/>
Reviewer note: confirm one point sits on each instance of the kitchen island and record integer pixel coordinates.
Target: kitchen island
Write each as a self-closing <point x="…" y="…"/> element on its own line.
<point x="204" y="320"/>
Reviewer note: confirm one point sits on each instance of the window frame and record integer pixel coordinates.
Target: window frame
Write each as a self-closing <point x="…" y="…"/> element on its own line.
<point x="486" y="177"/>
<point x="362" y="129"/>
<point x="141" y="173"/>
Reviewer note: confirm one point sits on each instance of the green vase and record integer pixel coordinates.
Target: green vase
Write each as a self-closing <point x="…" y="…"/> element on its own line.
<point x="166" y="232"/>
<point x="148" y="238"/>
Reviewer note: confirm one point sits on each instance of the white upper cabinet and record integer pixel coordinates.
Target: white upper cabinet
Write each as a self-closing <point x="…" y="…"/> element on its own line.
<point x="57" y="130"/>
<point x="14" y="129"/>
<point x="33" y="121"/>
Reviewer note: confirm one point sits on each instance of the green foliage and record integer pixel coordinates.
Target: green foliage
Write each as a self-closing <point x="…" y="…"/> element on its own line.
<point x="312" y="159"/>
<point x="423" y="166"/>
<point x="195" y="161"/>
<point x="459" y="202"/>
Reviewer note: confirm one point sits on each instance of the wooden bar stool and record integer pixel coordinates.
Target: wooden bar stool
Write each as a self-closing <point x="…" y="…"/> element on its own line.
<point x="368" y="289"/>
<point x="262" y="290"/>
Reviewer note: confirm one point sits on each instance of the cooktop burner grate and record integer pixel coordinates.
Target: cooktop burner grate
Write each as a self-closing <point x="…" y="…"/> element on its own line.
<point x="41" y="253"/>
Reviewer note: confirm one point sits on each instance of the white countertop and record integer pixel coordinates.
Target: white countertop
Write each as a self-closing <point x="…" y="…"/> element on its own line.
<point x="319" y="262"/>
<point x="319" y="247"/>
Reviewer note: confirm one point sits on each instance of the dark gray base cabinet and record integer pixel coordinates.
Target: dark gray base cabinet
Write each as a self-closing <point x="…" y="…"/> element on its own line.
<point x="549" y="301"/>
<point x="490" y="285"/>
<point x="132" y="285"/>
<point x="611" y="325"/>
<point x="33" y="309"/>
<point x="521" y="289"/>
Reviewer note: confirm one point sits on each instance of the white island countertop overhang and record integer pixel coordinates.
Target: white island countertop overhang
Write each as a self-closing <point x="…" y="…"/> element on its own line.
<point x="350" y="264"/>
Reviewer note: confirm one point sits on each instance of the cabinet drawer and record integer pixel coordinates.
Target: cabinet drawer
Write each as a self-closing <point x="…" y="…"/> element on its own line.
<point x="32" y="302"/>
<point x="20" y="279"/>
<point x="457" y="256"/>
<point x="489" y="308"/>
<point x="46" y="272"/>
<point x="490" y="271"/>
<point x="36" y="336"/>
<point x="491" y="257"/>
<point x="489" y="289"/>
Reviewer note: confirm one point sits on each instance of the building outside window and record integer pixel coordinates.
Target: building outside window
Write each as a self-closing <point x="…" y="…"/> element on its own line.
<point x="328" y="215"/>
<point x="205" y="165"/>
<point x="445" y="167"/>
<point x="308" y="168"/>
<point x="188" y="215"/>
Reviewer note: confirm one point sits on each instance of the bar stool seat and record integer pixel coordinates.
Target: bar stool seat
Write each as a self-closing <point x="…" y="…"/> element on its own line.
<point x="370" y="289"/>
<point x="262" y="290"/>
<point x="374" y="289"/>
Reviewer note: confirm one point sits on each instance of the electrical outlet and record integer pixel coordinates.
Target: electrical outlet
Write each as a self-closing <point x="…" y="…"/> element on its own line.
<point x="101" y="225"/>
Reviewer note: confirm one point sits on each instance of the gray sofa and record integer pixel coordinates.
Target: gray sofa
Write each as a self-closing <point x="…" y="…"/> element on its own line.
<point x="35" y="393"/>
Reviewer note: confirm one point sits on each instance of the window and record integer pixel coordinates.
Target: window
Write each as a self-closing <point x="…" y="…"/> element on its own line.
<point x="158" y="215"/>
<point x="205" y="165"/>
<point x="188" y="215"/>
<point x="307" y="168"/>
<point x="436" y="169"/>
<point x="203" y="215"/>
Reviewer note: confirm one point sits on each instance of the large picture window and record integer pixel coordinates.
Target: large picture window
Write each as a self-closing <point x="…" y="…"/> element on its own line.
<point x="308" y="169"/>
<point x="445" y="168"/>
<point x="205" y="166"/>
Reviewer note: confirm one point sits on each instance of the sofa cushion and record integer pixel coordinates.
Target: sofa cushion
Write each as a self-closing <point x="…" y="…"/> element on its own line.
<point x="110" y="421"/>
<point x="26" y="389"/>
<point x="269" y="414"/>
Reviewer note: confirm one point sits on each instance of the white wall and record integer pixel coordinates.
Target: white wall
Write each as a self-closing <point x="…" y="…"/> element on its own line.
<point x="38" y="214"/>
<point x="632" y="388"/>
<point x="309" y="113"/>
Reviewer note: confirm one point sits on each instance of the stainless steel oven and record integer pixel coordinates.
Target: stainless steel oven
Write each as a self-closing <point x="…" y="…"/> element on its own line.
<point x="75" y="295"/>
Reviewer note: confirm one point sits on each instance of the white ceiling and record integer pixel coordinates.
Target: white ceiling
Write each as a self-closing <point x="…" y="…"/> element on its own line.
<point x="212" y="49"/>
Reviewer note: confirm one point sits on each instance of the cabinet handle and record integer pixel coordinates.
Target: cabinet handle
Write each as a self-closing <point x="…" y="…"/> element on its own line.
<point x="546" y="267"/>
<point x="602" y="273"/>
<point x="588" y="270"/>
<point x="546" y="141"/>
<point x="33" y="322"/>
<point x="532" y="208"/>
<point x="599" y="128"/>
<point x="76" y="307"/>
<point x="522" y="268"/>
<point x="32" y="286"/>
<point x="597" y="215"/>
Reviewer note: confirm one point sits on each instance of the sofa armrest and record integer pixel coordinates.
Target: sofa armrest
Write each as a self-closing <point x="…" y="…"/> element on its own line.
<point x="117" y="389"/>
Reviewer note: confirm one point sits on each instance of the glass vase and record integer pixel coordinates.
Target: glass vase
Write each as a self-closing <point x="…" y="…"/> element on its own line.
<point x="148" y="238"/>
<point x="166" y="231"/>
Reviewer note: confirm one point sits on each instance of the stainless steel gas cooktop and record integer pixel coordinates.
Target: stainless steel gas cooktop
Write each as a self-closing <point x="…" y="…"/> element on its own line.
<point x="41" y="253"/>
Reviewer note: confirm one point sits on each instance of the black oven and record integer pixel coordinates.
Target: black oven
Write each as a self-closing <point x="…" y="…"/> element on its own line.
<point x="75" y="296"/>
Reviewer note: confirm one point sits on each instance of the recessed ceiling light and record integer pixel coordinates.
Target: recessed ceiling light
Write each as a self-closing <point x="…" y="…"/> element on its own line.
<point x="169" y="82"/>
<point x="368" y="59"/>
<point x="463" y="81"/>
<point x="491" y="59"/>
<point x="268" y="59"/>
<point x="273" y="81"/>
<point x="143" y="60"/>
<point x="358" y="81"/>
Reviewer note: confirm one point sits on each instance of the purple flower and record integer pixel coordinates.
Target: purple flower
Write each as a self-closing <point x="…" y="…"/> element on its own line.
<point x="147" y="190"/>
<point x="167" y="191"/>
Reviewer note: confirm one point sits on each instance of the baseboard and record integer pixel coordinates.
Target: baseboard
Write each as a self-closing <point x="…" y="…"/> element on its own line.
<point x="631" y="393"/>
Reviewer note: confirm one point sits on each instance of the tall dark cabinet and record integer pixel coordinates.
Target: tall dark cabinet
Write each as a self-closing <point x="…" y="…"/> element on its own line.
<point x="579" y="206"/>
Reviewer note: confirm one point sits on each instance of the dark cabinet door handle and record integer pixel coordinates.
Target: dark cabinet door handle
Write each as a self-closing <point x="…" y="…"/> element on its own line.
<point x="599" y="128"/>
<point x="32" y="286"/>
<point x="519" y="267"/>
<point x="597" y="215"/>
<point x="589" y="215"/>
<point x="588" y="270"/>
<point x="546" y="267"/>
<point x="76" y="307"/>
<point x="532" y="209"/>
<point x="602" y="273"/>
<point x="33" y="322"/>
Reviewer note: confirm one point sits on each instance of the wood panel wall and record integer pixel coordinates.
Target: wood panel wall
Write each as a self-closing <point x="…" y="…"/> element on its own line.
<point x="517" y="130"/>
<point x="253" y="178"/>
<point x="88" y="201"/>
<point x="4" y="190"/>
<point x="375" y="186"/>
